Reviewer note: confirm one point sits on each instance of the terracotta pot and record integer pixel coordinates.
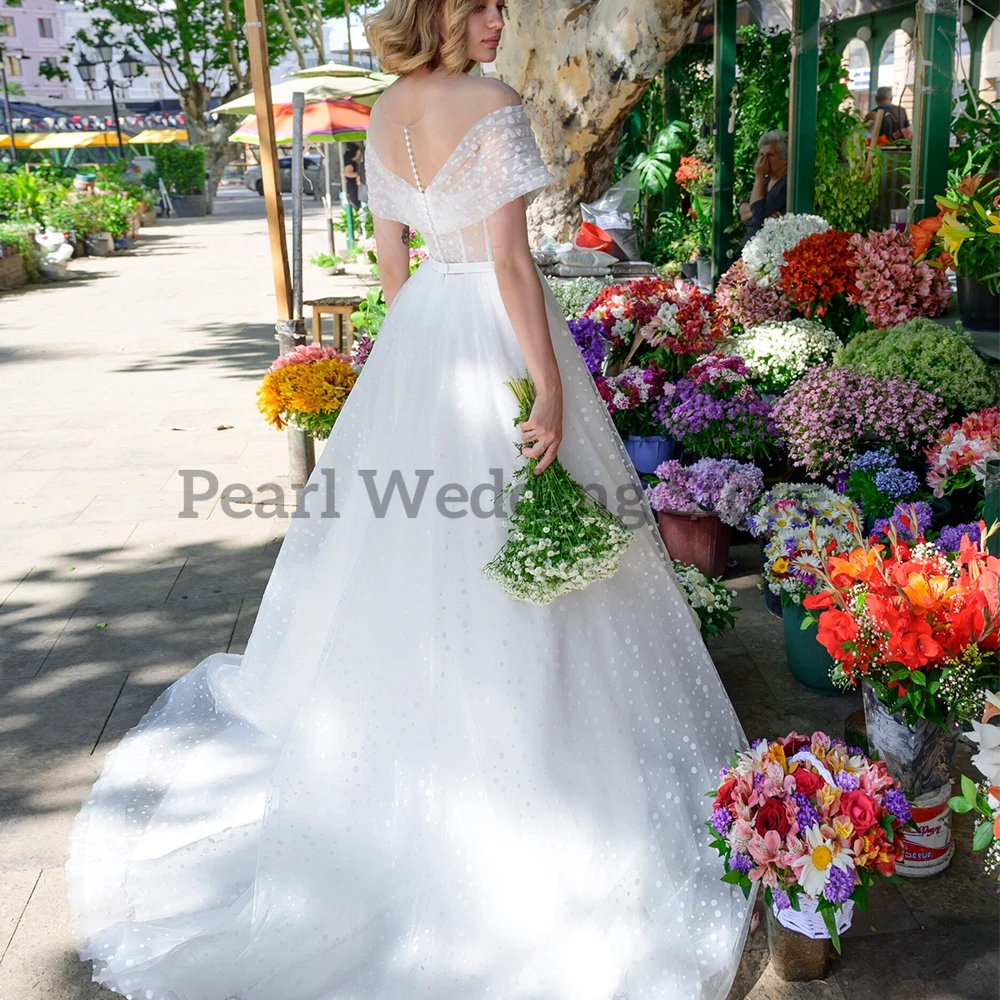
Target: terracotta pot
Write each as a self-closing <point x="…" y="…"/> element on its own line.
<point x="698" y="538"/>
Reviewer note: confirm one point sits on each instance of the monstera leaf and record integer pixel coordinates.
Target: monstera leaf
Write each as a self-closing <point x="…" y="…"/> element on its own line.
<point x="657" y="166"/>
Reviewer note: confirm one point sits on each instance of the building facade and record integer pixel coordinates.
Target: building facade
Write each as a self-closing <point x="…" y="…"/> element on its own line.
<point x="31" y="36"/>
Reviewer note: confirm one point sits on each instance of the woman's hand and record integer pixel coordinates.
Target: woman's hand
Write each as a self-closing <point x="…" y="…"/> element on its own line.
<point x="760" y="167"/>
<point x="544" y="428"/>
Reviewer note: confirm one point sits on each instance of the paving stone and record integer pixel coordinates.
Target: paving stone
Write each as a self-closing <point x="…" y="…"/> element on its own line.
<point x="42" y="962"/>
<point x="15" y="889"/>
<point x="770" y="987"/>
<point x="40" y="793"/>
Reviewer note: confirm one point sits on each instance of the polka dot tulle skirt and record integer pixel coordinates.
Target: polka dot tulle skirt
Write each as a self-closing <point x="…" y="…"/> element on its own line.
<point x="411" y="787"/>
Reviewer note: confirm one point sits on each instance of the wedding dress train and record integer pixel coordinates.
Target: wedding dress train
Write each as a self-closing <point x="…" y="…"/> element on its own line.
<point x="410" y="786"/>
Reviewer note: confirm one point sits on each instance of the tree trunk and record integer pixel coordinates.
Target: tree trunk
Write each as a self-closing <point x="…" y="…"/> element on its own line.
<point x="218" y="149"/>
<point x="580" y="67"/>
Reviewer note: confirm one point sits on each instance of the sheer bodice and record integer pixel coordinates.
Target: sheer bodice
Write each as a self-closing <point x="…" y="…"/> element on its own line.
<point x="495" y="162"/>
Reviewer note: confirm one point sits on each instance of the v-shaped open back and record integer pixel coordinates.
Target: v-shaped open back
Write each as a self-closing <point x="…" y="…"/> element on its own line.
<point x="496" y="161"/>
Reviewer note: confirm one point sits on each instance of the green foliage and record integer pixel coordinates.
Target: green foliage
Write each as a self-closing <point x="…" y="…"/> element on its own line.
<point x="763" y="62"/>
<point x="182" y="168"/>
<point x="21" y="237"/>
<point x="113" y="211"/>
<point x="22" y="195"/>
<point x="671" y="240"/>
<point x="325" y="260"/>
<point x="657" y="166"/>
<point x="976" y="124"/>
<point x="932" y="355"/>
<point x="113" y="177"/>
<point x="368" y="317"/>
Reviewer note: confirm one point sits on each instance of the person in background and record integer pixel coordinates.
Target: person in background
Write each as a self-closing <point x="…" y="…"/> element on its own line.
<point x="895" y="121"/>
<point x="352" y="174"/>
<point x="768" y="197"/>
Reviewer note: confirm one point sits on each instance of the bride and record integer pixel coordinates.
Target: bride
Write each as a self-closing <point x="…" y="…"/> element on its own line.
<point x="411" y="786"/>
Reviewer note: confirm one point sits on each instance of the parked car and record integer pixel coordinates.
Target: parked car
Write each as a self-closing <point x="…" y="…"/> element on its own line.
<point x="312" y="175"/>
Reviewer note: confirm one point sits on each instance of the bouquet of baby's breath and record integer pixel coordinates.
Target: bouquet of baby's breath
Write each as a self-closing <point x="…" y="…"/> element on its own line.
<point x="560" y="538"/>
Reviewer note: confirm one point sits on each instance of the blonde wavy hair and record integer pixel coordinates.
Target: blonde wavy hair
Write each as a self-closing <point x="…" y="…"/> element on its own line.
<point x="405" y="35"/>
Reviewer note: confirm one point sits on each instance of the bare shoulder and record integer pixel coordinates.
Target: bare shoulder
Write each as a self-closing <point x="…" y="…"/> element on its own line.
<point x="487" y="94"/>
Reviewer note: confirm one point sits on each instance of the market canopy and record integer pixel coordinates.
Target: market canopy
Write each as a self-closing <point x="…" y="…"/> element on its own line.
<point x="158" y="135"/>
<point x="78" y="140"/>
<point x="339" y="69"/>
<point x="363" y="89"/>
<point x="22" y="140"/>
<point x="322" y="121"/>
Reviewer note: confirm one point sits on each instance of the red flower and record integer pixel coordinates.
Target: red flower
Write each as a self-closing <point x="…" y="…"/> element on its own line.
<point x="725" y="796"/>
<point x="861" y="809"/>
<point x="817" y="270"/>
<point x="773" y="815"/>
<point x="818" y="602"/>
<point x="807" y="782"/>
<point x="836" y="628"/>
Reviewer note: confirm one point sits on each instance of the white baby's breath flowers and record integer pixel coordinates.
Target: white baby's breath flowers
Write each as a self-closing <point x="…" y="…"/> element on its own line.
<point x="764" y="254"/>
<point x="778" y="353"/>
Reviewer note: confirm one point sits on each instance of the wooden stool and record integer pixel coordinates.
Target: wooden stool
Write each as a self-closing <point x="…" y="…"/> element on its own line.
<point x="340" y="308"/>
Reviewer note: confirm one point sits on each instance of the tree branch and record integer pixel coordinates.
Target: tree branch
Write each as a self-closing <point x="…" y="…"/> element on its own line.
<point x="286" y="22"/>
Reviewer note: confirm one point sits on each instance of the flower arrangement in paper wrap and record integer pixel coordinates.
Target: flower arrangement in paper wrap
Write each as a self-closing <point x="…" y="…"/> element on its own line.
<point x="576" y="294"/>
<point x="818" y="277"/>
<point x="877" y="483"/>
<point x="808" y="816"/>
<point x="559" y="538"/>
<point x="742" y="303"/>
<point x="941" y="360"/>
<point x="632" y="398"/>
<point x="711" y="599"/>
<point x="721" y="486"/>
<point x="715" y="411"/>
<point x="958" y="457"/>
<point x="921" y="627"/>
<point x="777" y="353"/>
<point x="984" y="797"/>
<point x="797" y="523"/>
<point x="682" y="327"/>
<point x="307" y="388"/>
<point x="764" y="254"/>
<point x="828" y="411"/>
<point x="889" y="287"/>
<point x="621" y="309"/>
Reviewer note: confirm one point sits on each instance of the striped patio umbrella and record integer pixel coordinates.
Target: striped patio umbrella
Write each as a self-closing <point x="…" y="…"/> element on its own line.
<point x="322" y="121"/>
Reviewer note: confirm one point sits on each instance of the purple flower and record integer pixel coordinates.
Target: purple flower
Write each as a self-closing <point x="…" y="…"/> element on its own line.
<point x="757" y="743"/>
<point x="902" y="518"/>
<point x="589" y="337"/>
<point x="896" y="803"/>
<point x="781" y="900"/>
<point x="856" y="751"/>
<point x="872" y="461"/>
<point x="721" y="821"/>
<point x="895" y="483"/>
<point x="711" y="484"/>
<point x="950" y="539"/>
<point x="362" y="348"/>
<point x="847" y="780"/>
<point x="741" y="863"/>
<point x="839" y="885"/>
<point x="806" y="815"/>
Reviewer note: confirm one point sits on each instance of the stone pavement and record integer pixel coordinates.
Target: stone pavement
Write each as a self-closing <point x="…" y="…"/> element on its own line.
<point x="144" y="365"/>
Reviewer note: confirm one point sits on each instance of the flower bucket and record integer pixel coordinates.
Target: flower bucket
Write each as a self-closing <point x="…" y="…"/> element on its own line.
<point x="808" y="661"/>
<point x="698" y="538"/>
<point x="772" y="601"/>
<point x="704" y="271"/>
<point x="928" y="850"/>
<point x="799" y="941"/>
<point x="649" y="452"/>
<point x="978" y="308"/>
<point x="918" y="757"/>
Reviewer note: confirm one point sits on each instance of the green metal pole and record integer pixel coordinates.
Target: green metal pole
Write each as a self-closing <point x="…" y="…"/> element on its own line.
<point x="724" y="57"/>
<point x="935" y="51"/>
<point x="802" y="105"/>
<point x="976" y="31"/>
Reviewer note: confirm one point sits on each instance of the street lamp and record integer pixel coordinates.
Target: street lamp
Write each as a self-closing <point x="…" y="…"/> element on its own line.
<point x="128" y="65"/>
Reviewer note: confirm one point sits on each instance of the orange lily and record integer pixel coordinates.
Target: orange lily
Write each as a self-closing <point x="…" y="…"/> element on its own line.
<point x="923" y="233"/>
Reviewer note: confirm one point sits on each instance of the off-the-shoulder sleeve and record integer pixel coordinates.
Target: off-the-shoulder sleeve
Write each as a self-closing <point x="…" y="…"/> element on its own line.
<point x="385" y="200"/>
<point x="495" y="163"/>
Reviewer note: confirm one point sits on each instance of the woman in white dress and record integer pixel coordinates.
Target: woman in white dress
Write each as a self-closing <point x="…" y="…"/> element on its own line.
<point x="409" y="785"/>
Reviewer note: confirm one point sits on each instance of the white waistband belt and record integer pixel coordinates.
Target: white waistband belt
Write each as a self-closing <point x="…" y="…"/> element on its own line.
<point x="460" y="266"/>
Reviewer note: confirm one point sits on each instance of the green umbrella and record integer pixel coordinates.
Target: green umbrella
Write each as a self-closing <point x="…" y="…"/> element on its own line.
<point x="363" y="89"/>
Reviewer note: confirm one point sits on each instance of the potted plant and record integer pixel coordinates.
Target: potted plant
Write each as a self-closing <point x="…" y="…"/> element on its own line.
<point x="631" y="398"/>
<point x="920" y="632"/>
<point x="795" y="522"/>
<point x="816" y="823"/>
<point x="776" y="353"/>
<point x="957" y="459"/>
<point x="743" y="303"/>
<point x="714" y="412"/>
<point x="877" y="484"/>
<point x="698" y="506"/>
<point x="327" y="263"/>
<point x="709" y="598"/>
<point x="965" y="235"/>
<point x="182" y="170"/>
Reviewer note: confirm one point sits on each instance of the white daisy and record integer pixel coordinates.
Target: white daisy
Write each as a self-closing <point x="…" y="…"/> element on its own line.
<point x="824" y="855"/>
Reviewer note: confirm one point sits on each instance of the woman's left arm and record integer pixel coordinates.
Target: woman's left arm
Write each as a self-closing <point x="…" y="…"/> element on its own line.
<point x="392" y="250"/>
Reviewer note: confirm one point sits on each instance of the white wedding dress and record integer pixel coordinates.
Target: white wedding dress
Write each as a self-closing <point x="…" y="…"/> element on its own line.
<point x="411" y="787"/>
